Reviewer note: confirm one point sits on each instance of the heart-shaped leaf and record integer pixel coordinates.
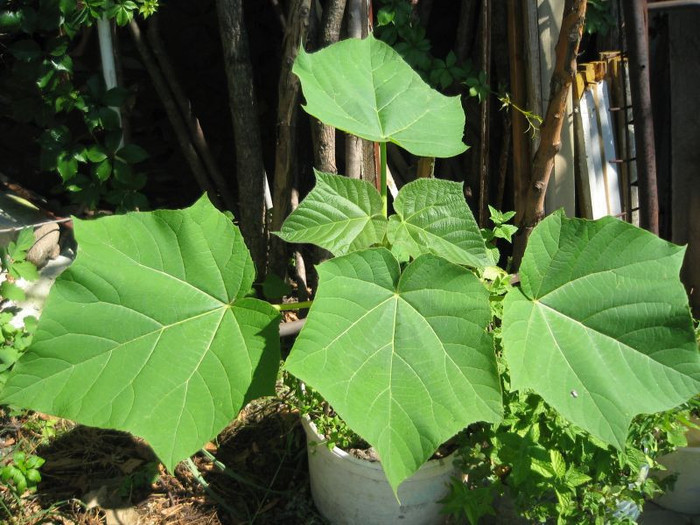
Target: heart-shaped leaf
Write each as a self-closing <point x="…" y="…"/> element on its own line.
<point x="364" y="87"/>
<point x="339" y="214"/>
<point x="433" y="217"/>
<point x="600" y="326"/>
<point x="404" y="358"/>
<point x="149" y="331"/>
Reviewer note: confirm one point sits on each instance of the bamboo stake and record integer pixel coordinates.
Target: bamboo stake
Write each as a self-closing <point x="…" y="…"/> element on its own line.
<point x="521" y="143"/>
<point x="484" y="115"/>
<point x="637" y="41"/>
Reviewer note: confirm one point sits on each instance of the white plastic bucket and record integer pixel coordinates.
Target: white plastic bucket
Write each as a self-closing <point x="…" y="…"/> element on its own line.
<point x="352" y="491"/>
<point x="685" y="496"/>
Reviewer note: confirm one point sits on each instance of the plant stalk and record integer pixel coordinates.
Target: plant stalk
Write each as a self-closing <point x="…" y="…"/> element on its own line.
<point x="205" y="485"/>
<point x="382" y="180"/>
<point x="292" y="306"/>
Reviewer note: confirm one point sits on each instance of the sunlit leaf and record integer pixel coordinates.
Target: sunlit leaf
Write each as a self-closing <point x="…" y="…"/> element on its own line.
<point x="150" y="331"/>
<point x="600" y="326"/>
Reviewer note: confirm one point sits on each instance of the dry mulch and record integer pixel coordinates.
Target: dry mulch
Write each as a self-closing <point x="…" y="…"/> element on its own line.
<point x="93" y="476"/>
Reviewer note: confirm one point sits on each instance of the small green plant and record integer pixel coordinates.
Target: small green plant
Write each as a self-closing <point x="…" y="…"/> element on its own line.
<point x="21" y="473"/>
<point x="14" y="266"/>
<point x="549" y="468"/>
<point x="599" y="18"/>
<point x="142" y="478"/>
<point x="501" y="229"/>
<point x="153" y="329"/>
<point x="309" y="403"/>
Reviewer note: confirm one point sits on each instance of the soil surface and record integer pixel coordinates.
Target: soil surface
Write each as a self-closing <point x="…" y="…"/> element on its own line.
<point x="93" y="476"/>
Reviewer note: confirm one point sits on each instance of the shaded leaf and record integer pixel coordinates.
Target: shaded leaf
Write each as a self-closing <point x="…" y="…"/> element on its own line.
<point x="132" y="153"/>
<point x="11" y="291"/>
<point x="433" y="217"/>
<point x="339" y="214"/>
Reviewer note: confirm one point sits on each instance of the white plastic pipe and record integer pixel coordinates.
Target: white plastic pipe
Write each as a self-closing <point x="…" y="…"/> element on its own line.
<point x="109" y="68"/>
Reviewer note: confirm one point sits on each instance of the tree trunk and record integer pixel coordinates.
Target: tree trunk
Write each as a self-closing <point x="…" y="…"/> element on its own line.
<point x="287" y="111"/>
<point x="353" y="145"/>
<point x="249" y="161"/>
<point x="550" y="131"/>
<point x="323" y="135"/>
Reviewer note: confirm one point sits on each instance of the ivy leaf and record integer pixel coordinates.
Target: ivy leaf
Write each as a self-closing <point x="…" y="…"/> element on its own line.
<point x="102" y="170"/>
<point x="433" y="217"/>
<point x="24" y="270"/>
<point x="11" y="291"/>
<point x="132" y="154"/>
<point x="600" y="326"/>
<point x="376" y="95"/>
<point x="96" y="153"/>
<point x="339" y="214"/>
<point x="67" y="166"/>
<point x="150" y="331"/>
<point x="404" y="358"/>
<point x="25" y="49"/>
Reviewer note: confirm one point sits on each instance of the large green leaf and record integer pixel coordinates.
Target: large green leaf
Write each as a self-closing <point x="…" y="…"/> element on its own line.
<point x="404" y="358"/>
<point x="433" y="217"/>
<point x="339" y="214"/>
<point x="364" y="87"/>
<point x="149" y="331"/>
<point x="600" y="326"/>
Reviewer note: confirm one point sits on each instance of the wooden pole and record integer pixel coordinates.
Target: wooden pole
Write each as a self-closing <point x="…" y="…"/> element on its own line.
<point x="484" y="115"/>
<point x="521" y="142"/>
<point x="638" y="53"/>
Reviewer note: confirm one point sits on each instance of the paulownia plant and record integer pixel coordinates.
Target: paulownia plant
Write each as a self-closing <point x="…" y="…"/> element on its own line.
<point x="152" y="329"/>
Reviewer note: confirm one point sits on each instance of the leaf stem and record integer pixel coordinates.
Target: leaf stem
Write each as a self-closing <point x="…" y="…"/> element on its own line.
<point x="292" y="306"/>
<point x="241" y="479"/>
<point x="210" y="492"/>
<point x="382" y="180"/>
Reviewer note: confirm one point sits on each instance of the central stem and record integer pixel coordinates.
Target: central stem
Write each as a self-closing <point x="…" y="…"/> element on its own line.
<point x="382" y="178"/>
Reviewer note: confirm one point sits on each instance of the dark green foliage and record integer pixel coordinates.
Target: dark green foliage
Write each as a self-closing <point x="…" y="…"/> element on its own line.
<point x="82" y="138"/>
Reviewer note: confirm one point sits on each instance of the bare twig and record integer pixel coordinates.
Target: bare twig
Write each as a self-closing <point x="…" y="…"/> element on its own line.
<point x="35" y="225"/>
